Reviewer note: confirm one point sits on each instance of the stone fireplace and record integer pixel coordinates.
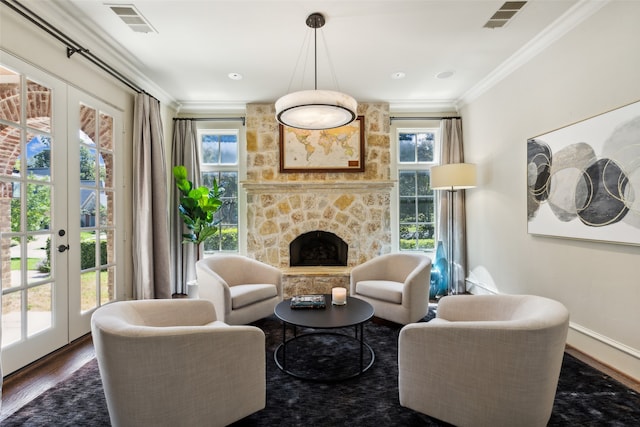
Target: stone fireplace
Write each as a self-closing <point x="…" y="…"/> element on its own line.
<point x="282" y="207"/>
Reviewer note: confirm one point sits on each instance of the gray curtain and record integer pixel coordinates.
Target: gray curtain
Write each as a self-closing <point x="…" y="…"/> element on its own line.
<point x="184" y="151"/>
<point x="452" y="152"/>
<point x="151" y="262"/>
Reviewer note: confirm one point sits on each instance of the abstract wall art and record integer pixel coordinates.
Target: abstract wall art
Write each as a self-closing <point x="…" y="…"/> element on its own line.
<point x="583" y="180"/>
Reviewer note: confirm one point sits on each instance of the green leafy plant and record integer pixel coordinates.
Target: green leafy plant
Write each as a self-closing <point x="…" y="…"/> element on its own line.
<point x="197" y="207"/>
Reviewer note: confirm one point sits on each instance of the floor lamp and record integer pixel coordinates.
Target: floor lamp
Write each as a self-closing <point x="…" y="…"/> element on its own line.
<point x="451" y="178"/>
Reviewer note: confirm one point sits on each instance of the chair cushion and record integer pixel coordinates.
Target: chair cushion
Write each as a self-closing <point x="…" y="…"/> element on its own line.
<point x="243" y="295"/>
<point x="384" y="290"/>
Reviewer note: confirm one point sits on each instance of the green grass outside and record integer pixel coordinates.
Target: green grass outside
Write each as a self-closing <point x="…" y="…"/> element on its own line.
<point x="32" y="263"/>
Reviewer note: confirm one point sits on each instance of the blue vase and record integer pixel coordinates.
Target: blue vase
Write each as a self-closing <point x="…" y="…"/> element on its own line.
<point x="439" y="273"/>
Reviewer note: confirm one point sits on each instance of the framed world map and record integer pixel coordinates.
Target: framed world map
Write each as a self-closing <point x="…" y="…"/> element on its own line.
<point x="328" y="150"/>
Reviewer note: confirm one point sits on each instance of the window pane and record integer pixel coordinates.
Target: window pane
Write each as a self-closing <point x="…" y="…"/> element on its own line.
<point x="228" y="149"/>
<point x="11" y="90"/>
<point x="39" y="157"/>
<point x="88" y="165"/>
<point x="106" y="169"/>
<point x="38" y="207"/>
<point x="107" y="280"/>
<point x="11" y="259"/>
<point x="107" y="214"/>
<point x="103" y="213"/>
<point x="407" y="209"/>
<point x="88" y="296"/>
<point x="87" y="250"/>
<point x="11" y="319"/>
<point x="106" y="132"/>
<point x="425" y="143"/>
<point x="407" y="147"/>
<point x="16" y="206"/>
<point x="39" y="314"/>
<point x="41" y="108"/>
<point x="229" y="181"/>
<point x="210" y="148"/>
<point x="425" y="209"/>
<point x="10" y="143"/>
<point x="109" y="239"/>
<point x="407" y="183"/>
<point x="422" y="183"/>
<point x="229" y="238"/>
<point x="88" y="201"/>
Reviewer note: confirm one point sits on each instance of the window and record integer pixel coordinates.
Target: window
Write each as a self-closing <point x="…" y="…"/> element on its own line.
<point x="219" y="161"/>
<point x="417" y="153"/>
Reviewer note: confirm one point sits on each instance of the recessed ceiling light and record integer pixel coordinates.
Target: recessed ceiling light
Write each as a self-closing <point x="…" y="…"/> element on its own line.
<point x="445" y="74"/>
<point x="235" y="76"/>
<point x="398" y="75"/>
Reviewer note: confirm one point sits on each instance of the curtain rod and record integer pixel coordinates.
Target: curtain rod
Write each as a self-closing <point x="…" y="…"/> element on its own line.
<point x="72" y="45"/>
<point x="213" y="119"/>
<point x="392" y="118"/>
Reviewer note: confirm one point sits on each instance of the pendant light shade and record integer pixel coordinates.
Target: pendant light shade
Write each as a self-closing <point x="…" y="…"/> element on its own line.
<point x="316" y="109"/>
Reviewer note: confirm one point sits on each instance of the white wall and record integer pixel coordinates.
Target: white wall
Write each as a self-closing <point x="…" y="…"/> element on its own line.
<point x="592" y="69"/>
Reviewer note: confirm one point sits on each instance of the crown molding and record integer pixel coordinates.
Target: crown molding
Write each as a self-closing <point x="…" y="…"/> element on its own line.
<point x="561" y="26"/>
<point x="194" y="107"/>
<point x="422" y="106"/>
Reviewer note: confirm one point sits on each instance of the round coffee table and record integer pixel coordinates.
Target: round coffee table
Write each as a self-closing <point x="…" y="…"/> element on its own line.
<point x="354" y="313"/>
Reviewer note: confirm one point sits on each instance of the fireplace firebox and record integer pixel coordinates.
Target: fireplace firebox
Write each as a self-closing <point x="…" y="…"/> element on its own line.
<point x="318" y="248"/>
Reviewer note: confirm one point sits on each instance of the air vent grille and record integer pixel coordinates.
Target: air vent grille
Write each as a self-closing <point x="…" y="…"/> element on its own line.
<point x="503" y="15"/>
<point x="132" y="17"/>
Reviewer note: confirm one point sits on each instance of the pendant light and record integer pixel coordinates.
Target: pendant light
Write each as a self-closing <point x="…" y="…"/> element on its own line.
<point x="316" y="109"/>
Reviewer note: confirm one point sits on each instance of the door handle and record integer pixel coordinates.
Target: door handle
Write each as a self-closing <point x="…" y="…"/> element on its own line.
<point x="63" y="248"/>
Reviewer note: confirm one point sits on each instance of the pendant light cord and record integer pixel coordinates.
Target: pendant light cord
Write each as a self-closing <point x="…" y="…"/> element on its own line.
<point x="315" y="58"/>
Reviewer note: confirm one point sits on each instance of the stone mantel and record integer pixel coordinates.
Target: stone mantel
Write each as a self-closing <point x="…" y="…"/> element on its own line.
<point x="277" y="187"/>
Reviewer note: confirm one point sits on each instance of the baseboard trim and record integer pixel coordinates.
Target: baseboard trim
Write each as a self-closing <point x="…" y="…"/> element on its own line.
<point x="605" y="340"/>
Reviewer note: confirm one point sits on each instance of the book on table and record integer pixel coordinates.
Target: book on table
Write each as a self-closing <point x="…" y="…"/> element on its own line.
<point x="308" y="301"/>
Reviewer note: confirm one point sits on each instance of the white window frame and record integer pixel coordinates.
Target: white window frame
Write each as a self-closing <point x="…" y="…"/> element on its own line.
<point x="229" y="128"/>
<point x="397" y="167"/>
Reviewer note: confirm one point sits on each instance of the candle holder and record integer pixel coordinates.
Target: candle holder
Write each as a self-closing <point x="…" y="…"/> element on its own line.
<point x="339" y="296"/>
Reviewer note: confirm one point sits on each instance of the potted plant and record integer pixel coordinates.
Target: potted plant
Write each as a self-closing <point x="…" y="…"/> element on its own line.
<point x="197" y="208"/>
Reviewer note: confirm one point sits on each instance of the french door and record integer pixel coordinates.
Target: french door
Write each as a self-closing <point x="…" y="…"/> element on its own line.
<point x="58" y="208"/>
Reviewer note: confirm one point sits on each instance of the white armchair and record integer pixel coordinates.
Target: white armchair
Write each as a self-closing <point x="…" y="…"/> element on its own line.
<point x="242" y="289"/>
<point x="396" y="285"/>
<point x="171" y="363"/>
<point x="486" y="360"/>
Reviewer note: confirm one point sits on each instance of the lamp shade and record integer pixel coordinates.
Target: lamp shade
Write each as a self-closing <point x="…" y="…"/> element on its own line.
<point x="316" y="109"/>
<point x="454" y="176"/>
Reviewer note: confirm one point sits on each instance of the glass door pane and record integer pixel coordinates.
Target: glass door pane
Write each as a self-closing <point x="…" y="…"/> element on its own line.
<point x="93" y="213"/>
<point x="34" y="303"/>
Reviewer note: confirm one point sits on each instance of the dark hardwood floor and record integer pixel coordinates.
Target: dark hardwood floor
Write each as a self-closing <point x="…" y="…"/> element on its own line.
<point x="21" y="387"/>
<point x="26" y="384"/>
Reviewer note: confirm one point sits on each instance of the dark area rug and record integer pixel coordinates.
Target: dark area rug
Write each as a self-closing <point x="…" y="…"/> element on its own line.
<point x="585" y="396"/>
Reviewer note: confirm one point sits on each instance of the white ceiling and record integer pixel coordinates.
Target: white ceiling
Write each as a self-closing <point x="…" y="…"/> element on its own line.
<point x="198" y="43"/>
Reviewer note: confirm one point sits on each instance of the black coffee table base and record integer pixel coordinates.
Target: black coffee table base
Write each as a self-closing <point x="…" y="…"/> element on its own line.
<point x="339" y="365"/>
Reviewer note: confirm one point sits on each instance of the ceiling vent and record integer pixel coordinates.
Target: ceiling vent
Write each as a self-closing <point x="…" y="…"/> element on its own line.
<point x="132" y="17"/>
<point x="504" y="14"/>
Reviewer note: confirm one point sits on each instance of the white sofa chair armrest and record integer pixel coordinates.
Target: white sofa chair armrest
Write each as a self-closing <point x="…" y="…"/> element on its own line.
<point x="214" y="288"/>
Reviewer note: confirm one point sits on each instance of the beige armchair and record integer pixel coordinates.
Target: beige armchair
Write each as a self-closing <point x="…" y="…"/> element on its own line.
<point x="396" y="285"/>
<point x="486" y="360"/>
<point x="242" y="289"/>
<point x="171" y="363"/>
